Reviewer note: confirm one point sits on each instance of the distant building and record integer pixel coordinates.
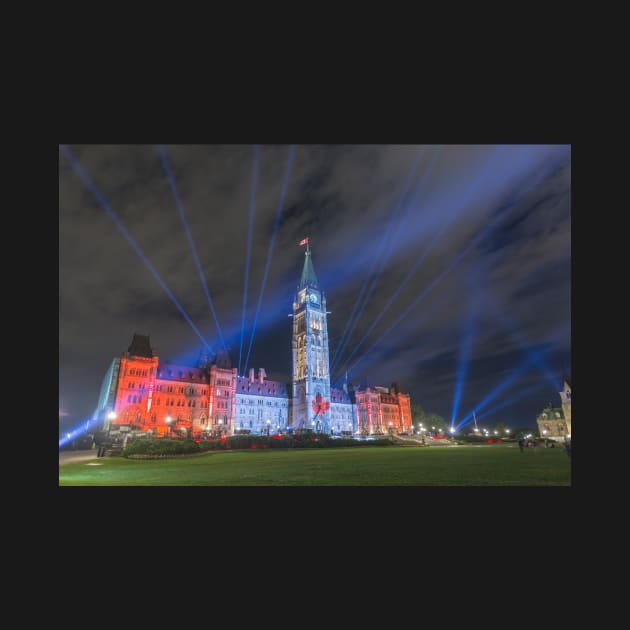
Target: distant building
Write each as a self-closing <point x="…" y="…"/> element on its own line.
<point x="554" y="423"/>
<point x="383" y="410"/>
<point x="261" y="405"/>
<point x="139" y="392"/>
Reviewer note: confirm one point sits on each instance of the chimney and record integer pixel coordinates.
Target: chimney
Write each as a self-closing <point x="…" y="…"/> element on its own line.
<point x="261" y="375"/>
<point x="251" y="375"/>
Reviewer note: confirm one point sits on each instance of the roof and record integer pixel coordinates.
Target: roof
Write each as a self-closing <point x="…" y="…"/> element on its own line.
<point x="308" y="279"/>
<point x="171" y="372"/>
<point x="267" y="388"/>
<point x="551" y="412"/>
<point x="140" y="346"/>
<point x="339" y="396"/>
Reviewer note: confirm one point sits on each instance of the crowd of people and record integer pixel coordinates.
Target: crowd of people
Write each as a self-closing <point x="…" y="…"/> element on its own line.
<point x="534" y="444"/>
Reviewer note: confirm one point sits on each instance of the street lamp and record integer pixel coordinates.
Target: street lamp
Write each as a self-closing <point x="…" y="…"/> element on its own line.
<point x="168" y="423"/>
<point x="220" y="427"/>
<point x="268" y="423"/>
<point x="111" y="416"/>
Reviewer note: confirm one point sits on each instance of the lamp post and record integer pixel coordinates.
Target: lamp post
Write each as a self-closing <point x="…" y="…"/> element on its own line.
<point x="268" y="423"/>
<point x="111" y="416"/>
<point x="220" y="427"/>
<point x="168" y="424"/>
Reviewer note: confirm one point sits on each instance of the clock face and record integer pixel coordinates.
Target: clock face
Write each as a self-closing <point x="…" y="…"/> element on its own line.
<point x="313" y="298"/>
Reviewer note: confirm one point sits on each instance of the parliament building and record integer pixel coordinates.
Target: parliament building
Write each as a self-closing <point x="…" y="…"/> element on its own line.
<point x="140" y="392"/>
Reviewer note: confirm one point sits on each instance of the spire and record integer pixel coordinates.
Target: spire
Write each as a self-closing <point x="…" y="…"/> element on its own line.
<point x="308" y="279"/>
<point x="140" y="346"/>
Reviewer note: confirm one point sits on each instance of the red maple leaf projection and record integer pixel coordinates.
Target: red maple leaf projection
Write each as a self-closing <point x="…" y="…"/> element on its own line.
<point x="320" y="406"/>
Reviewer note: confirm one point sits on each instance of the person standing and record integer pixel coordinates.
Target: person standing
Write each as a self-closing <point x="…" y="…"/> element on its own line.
<point x="567" y="447"/>
<point x="521" y="444"/>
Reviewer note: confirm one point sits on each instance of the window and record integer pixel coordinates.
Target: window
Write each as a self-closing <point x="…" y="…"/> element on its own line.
<point x="129" y="398"/>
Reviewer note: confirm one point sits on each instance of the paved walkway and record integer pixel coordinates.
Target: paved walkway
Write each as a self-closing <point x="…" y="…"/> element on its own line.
<point x="72" y="457"/>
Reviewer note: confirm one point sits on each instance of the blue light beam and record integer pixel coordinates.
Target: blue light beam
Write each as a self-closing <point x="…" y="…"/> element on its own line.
<point x="469" y="191"/>
<point x="510" y="326"/>
<point x="528" y="391"/>
<point x="499" y="389"/>
<point x="250" y="233"/>
<point x="123" y="230"/>
<point x="79" y="430"/>
<point x="349" y="327"/>
<point x="287" y="174"/>
<point x="464" y="362"/>
<point x="191" y="243"/>
<point x="501" y="213"/>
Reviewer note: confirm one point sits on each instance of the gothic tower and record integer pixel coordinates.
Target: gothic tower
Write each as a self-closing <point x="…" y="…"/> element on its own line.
<point x="311" y="378"/>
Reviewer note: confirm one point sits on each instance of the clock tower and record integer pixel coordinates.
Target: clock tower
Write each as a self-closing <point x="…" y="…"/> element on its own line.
<point x="311" y="378"/>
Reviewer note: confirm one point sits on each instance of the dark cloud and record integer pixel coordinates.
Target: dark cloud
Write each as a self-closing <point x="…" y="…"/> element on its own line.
<point x="490" y="224"/>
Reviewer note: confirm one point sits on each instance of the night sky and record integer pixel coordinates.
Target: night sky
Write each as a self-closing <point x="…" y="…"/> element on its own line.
<point x="453" y="261"/>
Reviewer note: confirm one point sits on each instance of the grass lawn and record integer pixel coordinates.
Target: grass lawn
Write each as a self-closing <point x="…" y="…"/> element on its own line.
<point x="478" y="465"/>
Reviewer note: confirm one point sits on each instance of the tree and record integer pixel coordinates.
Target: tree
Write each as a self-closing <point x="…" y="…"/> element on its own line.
<point x="417" y="414"/>
<point x="500" y="427"/>
<point x="435" y="420"/>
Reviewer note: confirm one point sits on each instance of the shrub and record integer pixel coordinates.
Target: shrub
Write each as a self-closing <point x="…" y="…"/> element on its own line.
<point x="160" y="447"/>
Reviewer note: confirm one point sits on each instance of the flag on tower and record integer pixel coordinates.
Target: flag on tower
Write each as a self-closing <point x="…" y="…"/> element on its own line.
<point x="303" y="242"/>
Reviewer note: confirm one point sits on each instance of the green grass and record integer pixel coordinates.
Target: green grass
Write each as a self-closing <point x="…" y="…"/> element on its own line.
<point x="485" y="465"/>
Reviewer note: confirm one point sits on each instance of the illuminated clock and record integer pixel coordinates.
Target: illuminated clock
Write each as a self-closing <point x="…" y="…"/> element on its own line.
<point x="313" y="298"/>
